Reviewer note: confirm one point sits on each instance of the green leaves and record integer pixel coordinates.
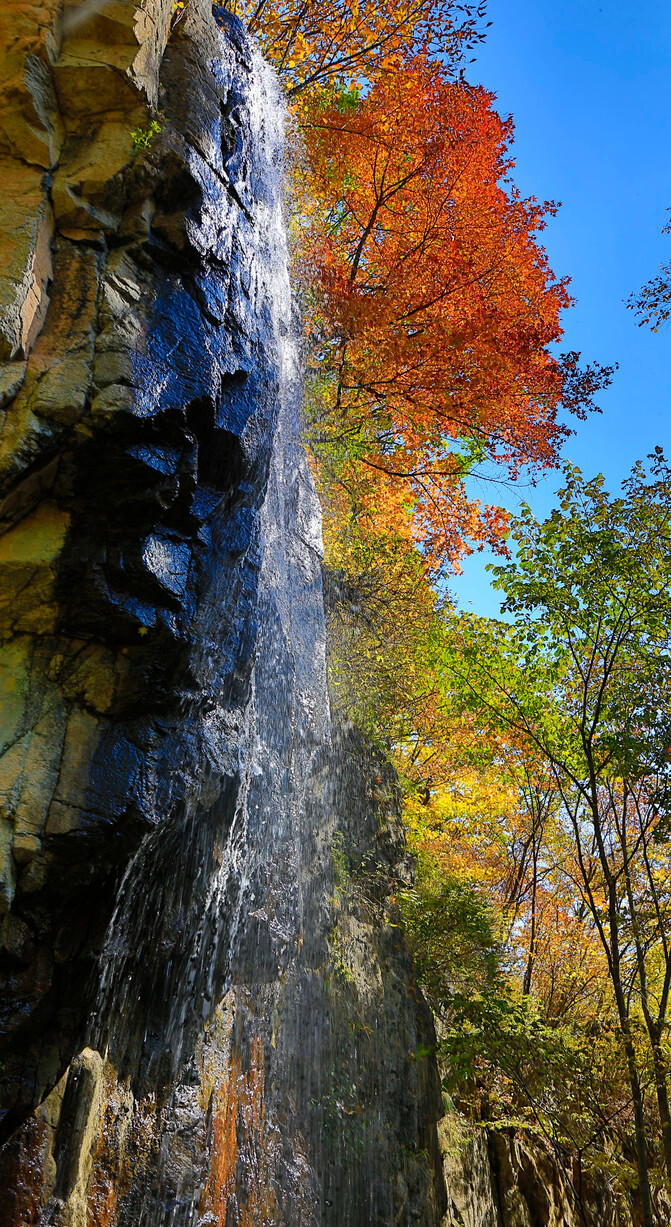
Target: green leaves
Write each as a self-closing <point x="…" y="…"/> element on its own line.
<point x="144" y="137"/>
<point x="543" y="1077"/>
<point x="452" y="929"/>
<point x="585" y="669"/>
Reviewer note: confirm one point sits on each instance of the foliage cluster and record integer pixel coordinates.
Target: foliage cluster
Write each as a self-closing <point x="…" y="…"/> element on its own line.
<point x="652" y="304"/>
<point x="432" y="311"/>
<point x="318" y="45"/>
<point x="143" y="138"/>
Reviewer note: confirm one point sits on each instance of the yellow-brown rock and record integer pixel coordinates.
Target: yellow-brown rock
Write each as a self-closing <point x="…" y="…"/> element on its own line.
<point x="75" y="80"/>
<point x="26" y="229"/>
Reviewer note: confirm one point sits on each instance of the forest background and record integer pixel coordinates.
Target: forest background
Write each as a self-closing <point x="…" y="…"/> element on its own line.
<point x="534" y="750"/>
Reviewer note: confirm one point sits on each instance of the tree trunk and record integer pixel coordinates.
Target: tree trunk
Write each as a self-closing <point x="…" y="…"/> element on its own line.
<point x="639" y="1124"/>
<point x="662" y="1092"/>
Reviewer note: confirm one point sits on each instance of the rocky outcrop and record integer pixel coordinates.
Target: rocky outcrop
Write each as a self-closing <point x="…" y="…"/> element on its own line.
<point x="208" y="1013"/>
<point x="499" y="1178"/>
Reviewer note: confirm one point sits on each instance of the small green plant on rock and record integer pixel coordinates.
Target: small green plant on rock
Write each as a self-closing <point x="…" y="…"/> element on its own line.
<point x="339" y="860"/>
<point x="143" y="137"/>
<point x="340" y="965"/>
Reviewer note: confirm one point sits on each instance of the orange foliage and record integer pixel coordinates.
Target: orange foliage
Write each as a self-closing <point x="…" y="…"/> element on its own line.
<point x="570" y="971"/>
<point x="435" y="305"/>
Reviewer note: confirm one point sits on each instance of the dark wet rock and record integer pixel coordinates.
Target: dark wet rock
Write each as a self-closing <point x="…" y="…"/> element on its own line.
<point x="135" y="433"/>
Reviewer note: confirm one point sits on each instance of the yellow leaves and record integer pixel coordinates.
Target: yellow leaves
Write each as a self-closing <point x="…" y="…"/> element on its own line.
<point x="339" y="42"/>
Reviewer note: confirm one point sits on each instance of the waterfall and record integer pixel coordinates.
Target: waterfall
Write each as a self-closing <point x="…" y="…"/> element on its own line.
<point x="216" y="909"/>
<point x="248" y="1048"/>
<point x="258" y="709"/>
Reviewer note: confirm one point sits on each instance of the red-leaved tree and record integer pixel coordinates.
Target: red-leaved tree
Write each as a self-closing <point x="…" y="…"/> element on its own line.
<point x="435" y="309"/>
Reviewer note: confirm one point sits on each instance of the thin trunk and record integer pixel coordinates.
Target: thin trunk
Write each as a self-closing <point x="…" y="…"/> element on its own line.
<point x="662" y="1091"/>
<point x="614" y="964"/>
<point x="654" y="1028"/>
<point x="639" y="1128"/>
<point x="528" y="971"/>
<point x="632" y="1065"/>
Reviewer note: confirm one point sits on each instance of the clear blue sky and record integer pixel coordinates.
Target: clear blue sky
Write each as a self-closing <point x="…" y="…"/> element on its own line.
<point x="588" y="84"/>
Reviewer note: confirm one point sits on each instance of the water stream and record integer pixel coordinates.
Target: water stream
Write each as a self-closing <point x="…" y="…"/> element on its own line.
<point x="225" y="903"/>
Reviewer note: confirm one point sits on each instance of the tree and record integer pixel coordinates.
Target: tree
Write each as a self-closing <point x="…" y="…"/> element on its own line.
<point x="544" y="1062"/>
<point x="653" y="302"/>
<point x="584" y="673"/>
<point x="325" y="43"/>
<point x="433" y="310"/>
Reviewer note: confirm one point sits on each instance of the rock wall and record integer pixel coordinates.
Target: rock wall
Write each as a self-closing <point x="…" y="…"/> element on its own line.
<point x="73" y="291"/>
<point x="497" y="1178"/>
<point x="207" y="1012"/>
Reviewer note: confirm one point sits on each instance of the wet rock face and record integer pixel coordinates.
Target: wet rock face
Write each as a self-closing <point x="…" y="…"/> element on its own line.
<point x="201" y="1019"/>
<point x="135" y="452"/>
<point x="377" y="1097"/>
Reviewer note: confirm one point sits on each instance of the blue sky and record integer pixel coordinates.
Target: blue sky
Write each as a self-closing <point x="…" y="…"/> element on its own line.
<point x="588" y="84"/>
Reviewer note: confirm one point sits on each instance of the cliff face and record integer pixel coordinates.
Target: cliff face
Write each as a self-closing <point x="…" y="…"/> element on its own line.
<point x="497" y="1178"/>
<point x="124" y="466"/>
<point x="208" y="1014"/>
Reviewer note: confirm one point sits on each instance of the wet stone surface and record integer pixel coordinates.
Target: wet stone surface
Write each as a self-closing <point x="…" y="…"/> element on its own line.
<point x="199" y="1022"/>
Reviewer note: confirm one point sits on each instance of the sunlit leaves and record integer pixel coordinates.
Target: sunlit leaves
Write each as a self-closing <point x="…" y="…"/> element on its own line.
<point x="435" y="308"/>
<point x="590" y="592"/>
<point x="317" y="43"/>
<point x="652" y="304"/>
<point x="582" y="679"/>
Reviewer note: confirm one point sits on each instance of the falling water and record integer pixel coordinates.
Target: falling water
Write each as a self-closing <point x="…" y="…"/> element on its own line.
<point x="250" y="1056"/>
<point x="216" y="910"/>
<point x="180" y="934"/>
<point x="212" y="909"/>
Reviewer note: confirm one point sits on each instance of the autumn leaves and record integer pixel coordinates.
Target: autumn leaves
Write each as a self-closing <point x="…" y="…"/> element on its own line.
<point x="322" y="45"/>
<point x="429" y="302"/>
<point x="437" y="306"/>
